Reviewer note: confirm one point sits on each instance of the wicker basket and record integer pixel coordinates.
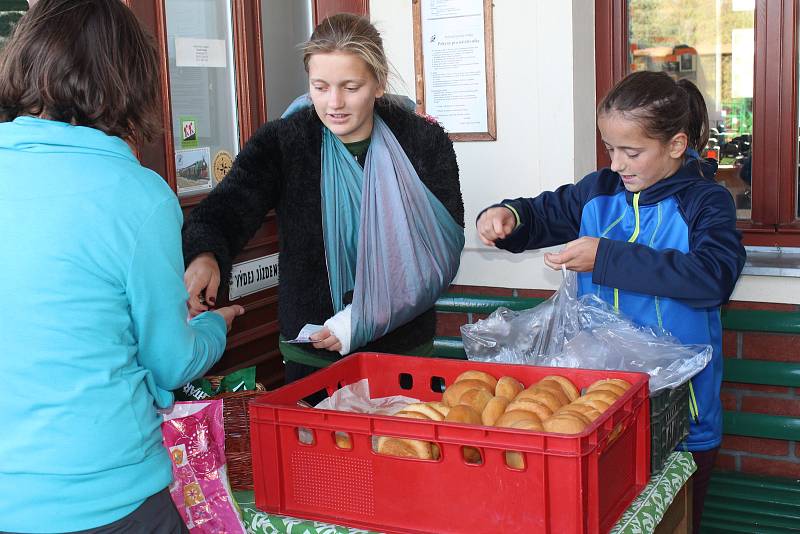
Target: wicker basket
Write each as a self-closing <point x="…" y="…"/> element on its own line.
<point x="237" y="434"/>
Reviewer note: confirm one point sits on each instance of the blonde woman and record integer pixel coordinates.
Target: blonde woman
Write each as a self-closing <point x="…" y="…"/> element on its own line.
<point x="368" y="203"/>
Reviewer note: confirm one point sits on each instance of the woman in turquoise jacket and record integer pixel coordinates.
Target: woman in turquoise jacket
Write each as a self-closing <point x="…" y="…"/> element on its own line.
<point x="93" y="319"/>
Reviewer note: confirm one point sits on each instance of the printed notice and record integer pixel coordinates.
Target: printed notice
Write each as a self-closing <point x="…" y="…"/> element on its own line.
<point x="253" y="275"/>
<point x="199" y="52"/>
<point x="454" y="52"/>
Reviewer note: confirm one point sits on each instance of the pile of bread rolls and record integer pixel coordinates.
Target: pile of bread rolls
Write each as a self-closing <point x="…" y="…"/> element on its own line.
<point x="553" y="404"/>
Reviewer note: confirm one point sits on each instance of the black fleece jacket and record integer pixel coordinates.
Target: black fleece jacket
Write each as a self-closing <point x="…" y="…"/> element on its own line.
<point x="279" y="168"/>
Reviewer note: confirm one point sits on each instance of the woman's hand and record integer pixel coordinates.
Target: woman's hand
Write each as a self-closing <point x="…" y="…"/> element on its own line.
<point x="229" y="313"/>
<point x="324" y="339"/>
<point x="202" y="282"/>
<point x="494" y="224"/>
<point x="578" y="255"/>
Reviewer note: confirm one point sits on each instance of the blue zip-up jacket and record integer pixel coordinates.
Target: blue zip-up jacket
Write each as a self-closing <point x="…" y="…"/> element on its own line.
<point x="93" y="330"/>
<point x="669" y="256"/>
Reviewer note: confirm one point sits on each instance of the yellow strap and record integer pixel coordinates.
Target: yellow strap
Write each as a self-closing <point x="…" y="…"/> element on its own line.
<point x="631" y="239"/>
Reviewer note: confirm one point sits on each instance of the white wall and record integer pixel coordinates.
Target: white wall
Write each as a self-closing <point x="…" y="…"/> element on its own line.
<point x="545" y="98"/>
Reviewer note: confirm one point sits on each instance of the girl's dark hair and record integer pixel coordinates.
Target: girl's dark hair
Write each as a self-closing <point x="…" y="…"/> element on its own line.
<point x="87" y="62"/>
<point x="661" y="106"/>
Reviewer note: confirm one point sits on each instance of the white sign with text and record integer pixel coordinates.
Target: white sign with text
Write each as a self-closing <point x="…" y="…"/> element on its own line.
<point x="255" y="275"/>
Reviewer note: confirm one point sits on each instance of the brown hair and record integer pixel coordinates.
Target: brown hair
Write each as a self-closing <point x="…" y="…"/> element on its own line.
<point x="661" y="106"/>
<point x="86" y="62"/>
<point x="346" y="32"/>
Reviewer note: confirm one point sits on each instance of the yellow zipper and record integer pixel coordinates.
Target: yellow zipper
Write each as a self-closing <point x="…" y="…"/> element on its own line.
<point x="693" y="409"/>
<point x="631" y="239"/>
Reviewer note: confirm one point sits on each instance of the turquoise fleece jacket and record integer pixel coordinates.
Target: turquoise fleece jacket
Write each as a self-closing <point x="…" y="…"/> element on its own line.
<point x="93" y="327"/>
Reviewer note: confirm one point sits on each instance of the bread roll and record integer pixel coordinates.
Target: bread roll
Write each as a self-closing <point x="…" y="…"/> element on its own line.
<point x="530" y="405"/>
<point x="554" y="388"/>
<point x="583" y="409"/>
<point x="593" y="402"/>
<point x="564" y="424"/>
<point x="515" y="460"/>
<point x="615" y="381"/>
<point x="566" y="385"/>
<point x="343" y="440"/>
<point x="412" y="415"/>
<point x="478" y="375"/>
<point x="600" y="394"/>
<point x="508" y="387"/>
<point x="573" y="412"/>
<point x="514" y="416"/>
<point x="607" y="386"/>
<point x="476" y="399"/>
<point x="493" y="410"/>
<point x="406" y="448"/>
<point x="440" y="407"/>
<point x="463" y="414"/>
<point x="454" y="391"/>
<point x="424" y="409"/>
<point x="528" y="424"/>
<point x="544" y="396"/>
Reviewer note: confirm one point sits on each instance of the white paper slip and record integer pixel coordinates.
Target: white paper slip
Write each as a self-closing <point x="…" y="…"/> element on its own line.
<point x="305" y="332"/>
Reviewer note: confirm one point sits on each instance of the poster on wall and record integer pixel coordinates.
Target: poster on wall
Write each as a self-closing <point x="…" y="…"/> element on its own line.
<point x="192" y="170"/>
<point x="454" y="63"/>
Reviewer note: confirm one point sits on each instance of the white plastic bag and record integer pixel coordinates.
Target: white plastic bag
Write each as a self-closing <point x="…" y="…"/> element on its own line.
<point x="355" y="398"/>
<point x="566" y="331"/>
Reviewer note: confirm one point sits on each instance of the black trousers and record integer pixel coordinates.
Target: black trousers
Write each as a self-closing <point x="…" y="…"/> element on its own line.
<point x="700" y="478"/>
<point x="156" y="515"/>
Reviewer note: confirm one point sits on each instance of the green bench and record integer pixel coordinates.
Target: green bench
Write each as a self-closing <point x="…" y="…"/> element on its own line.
<point x="745" y="503"/>
<point x="736" y="502"/>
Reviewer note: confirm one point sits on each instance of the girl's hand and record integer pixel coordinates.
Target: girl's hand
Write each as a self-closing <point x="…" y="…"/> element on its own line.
<point x="202" y="282"/>
<point x="494" y="224"/>
<point x="578" y="255"/>
<point x="324" y="339"/>
<point x="229" y="313"/>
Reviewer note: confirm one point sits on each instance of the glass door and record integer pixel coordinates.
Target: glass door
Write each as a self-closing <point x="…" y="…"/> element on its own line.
<point x="202" y="89"/>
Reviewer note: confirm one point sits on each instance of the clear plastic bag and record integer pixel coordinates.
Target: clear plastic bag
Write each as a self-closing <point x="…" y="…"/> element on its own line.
<point x="567" y="331"/>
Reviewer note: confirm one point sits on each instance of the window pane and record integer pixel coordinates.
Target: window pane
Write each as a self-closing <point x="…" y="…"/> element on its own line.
<point x="284" y="26"/>
<point x="710" y="42"/>
<point x="202" y="91"/>
<point x="8" y="19"/>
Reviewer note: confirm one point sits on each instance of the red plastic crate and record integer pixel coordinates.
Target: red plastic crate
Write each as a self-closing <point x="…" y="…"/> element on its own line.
<point x="571" y="484"/>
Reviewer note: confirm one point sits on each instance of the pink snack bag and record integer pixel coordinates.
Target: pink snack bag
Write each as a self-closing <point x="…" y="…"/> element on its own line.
<point x="194" y="435"/>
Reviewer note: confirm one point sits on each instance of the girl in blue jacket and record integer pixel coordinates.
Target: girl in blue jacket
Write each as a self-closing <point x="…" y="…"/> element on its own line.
<point x="654" y="234"/>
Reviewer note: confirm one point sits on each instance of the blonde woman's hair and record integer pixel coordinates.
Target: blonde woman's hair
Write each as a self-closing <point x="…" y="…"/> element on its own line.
<point x="350" y="33"/>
